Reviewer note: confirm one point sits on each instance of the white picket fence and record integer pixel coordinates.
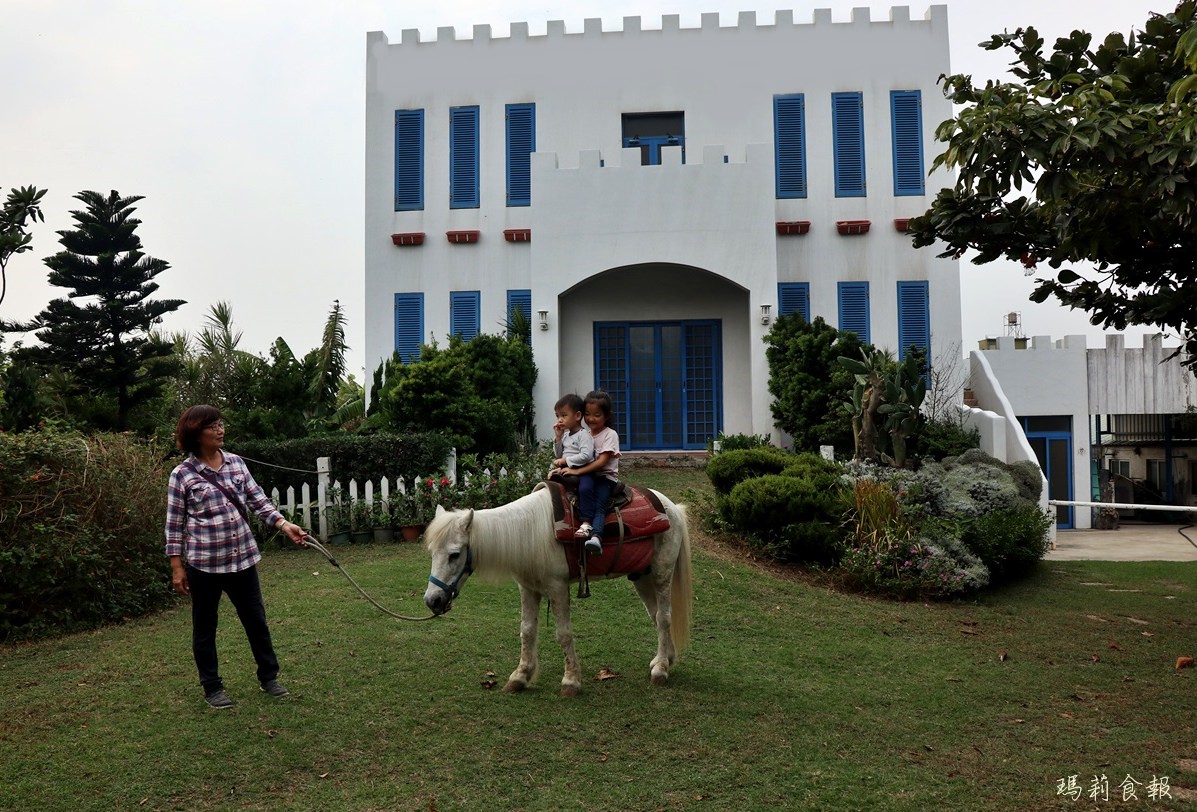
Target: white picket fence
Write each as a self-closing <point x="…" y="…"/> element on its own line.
<point x="329" y="492"/>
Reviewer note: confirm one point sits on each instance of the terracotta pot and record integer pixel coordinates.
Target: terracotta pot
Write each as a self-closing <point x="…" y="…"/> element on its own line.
<point x="411" y="532"/>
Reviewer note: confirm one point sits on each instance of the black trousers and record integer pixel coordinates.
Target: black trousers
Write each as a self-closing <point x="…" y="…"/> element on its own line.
<point x="245" y="592"/>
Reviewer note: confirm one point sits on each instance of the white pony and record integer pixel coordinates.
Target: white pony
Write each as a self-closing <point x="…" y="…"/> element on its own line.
<point x="518" y="540"/>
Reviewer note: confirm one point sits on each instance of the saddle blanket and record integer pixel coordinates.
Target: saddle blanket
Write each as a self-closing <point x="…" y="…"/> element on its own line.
<point x="627" y="549"/>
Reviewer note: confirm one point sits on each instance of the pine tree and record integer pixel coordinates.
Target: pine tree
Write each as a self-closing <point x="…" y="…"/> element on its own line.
<point x="102" y="331"/>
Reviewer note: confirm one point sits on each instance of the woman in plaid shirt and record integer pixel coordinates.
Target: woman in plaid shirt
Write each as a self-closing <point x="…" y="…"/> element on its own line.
<point x="212" y="549"/>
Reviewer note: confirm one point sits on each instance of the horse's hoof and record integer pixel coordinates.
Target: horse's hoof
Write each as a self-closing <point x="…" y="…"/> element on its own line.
<point x="660" y="679"/>
<point x="569" y="691"/>
<point x="514" y="687"/>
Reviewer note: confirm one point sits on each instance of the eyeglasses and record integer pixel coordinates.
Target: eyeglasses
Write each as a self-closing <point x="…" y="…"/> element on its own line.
<point x="217" y="426"/>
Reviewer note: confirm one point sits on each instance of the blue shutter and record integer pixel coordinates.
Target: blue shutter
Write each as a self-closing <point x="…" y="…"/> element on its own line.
<point x="789" y="139"/>
<point x="521" y="143"/>
<point x="906" y="118"/>
<point x="854" y="308"/>
<point x="409" y="325"/>
<point x="847" y="128"/>
<point x="914" y="319"/>
<point x="409" y="160"/>
<point x="793" y="297"/>
<point x="521" y="301"/>
<point x="463" y="157"/>
<point x="464" y="313"/>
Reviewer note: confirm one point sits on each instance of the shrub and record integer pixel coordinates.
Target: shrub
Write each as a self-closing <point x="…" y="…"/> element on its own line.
<point x="738" y="442"/>
<point x="1009" y="541"/>
<point x="788" y="518"/>
<point x="730" y="468"/>
<point x="937" y="439"/>
<point x="81" y="539"/>
<point x="360" y="457"/>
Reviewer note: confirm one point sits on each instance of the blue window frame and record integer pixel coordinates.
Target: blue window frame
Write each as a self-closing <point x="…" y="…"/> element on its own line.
<point x="463" y="157"/>
<point x="465" y="313"/>
<point x="521" y="143"/>
<point x="650" y="146"/>
<point x="793" y="297"/>
<point x="914" y="319"/>
<point x="789" y="139"/>
<point x="409" y="160"/>
<point x="520" y="301"/>
<point x="906" y="120"/>
<point x="847" y="135"/>
<point x="409" y="325"/>
<point x="854" y="308"/>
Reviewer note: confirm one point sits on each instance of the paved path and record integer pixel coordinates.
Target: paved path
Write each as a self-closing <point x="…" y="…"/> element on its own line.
<point x="1131" y="542"/>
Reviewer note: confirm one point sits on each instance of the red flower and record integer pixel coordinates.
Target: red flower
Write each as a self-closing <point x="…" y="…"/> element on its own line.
<point x="444" y="481"/>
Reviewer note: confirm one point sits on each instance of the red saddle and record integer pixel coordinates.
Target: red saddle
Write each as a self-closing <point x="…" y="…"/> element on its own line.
<point x="635" y="517"/>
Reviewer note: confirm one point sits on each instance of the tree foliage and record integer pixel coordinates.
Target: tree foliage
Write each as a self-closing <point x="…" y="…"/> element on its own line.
<point x="1085" y="164"/>
<point x="22" y="206"/>
<point x="807" y="383"/>
<point x="107" y="344"/>
<point x="478" y="393"/>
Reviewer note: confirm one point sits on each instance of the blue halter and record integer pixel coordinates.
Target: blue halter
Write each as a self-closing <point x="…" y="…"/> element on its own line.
<point x="452" y="589"/>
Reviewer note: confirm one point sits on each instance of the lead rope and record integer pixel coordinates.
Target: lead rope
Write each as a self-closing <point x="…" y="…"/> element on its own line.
<point x="310" y="541"/>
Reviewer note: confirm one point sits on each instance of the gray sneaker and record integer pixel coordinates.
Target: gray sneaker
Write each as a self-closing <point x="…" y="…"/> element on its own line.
<point x="275" y="688"/>
<point x="219" y="700"/>
<point x="594" y="545"/>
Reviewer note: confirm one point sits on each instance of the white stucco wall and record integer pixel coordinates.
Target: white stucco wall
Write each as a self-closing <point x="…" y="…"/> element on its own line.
<point x="699" y="238"/>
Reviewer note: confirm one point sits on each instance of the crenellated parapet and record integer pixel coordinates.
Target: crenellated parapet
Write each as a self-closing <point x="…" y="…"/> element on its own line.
<point x="709" y="158"/>
<point x="709" y="23"/>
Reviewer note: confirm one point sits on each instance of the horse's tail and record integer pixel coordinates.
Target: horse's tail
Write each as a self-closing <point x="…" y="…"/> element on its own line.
<point x="682" y="587"/>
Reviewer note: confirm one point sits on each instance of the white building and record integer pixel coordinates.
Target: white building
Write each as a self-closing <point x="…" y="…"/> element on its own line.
<point x="1089" y="413"/>
<point x="652" y="197"/>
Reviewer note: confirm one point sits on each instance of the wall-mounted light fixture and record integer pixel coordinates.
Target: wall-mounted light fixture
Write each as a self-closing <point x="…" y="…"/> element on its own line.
<point x="543" y="317"/>
<point x="765" y="308"/>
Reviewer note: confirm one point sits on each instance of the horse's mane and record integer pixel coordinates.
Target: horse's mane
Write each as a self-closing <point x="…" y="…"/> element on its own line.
<point x="516" y="538"/>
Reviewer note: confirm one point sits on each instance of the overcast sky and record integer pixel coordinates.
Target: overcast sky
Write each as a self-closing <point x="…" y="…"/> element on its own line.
<point x="242" y="124"/>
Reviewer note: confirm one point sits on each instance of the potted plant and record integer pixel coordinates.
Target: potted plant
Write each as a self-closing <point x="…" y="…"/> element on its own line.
<point x="337" y="516"/>
<point x="361" y="522"/>
<point x="406" y="513"/>
<point x="380" y="522"/>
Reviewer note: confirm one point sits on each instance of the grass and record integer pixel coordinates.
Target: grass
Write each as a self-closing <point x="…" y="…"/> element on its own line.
<point x="792" y="695"/>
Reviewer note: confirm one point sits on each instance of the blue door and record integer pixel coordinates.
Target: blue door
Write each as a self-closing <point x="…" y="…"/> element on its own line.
<point x="1051" y="440"/>
<point x="664" y="379"/>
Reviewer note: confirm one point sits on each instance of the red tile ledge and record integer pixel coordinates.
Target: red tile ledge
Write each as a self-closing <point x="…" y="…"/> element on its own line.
<point x="517" y="234"/>
<point x="847" y="227"/>
<point x="462" y="236"/>
<point x="411" y="238"/>
<point x="786" y="228"/>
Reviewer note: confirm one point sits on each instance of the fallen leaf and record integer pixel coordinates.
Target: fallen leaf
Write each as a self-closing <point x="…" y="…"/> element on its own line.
<point x="928" y="748"/>
<point x="603" y="758"/>
<point x="607" y="673"/>
<point x="489" y="683"/>
<point x="1096" y="659"/>
<point x="1066" y="715"/>
<point x="1002" y="656"/>
<point x="324" y="775"/>
<point x="1098" y="619"/>
<point x="1184" y="662"/>
<point x="1115" y="647"/>
<point x="1137" y="620"/>
<point x="1148" y="634"/>
<point x="969" y="631"/>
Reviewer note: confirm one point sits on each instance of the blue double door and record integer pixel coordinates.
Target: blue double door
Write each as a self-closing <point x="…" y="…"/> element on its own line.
<point x="665" y="382"/>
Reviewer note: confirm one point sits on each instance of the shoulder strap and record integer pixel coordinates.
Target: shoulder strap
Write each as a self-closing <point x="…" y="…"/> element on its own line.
<point x="227" y="493"/>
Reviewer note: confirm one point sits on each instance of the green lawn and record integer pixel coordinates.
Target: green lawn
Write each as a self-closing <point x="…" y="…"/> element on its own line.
<point x="790" y="696"/>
